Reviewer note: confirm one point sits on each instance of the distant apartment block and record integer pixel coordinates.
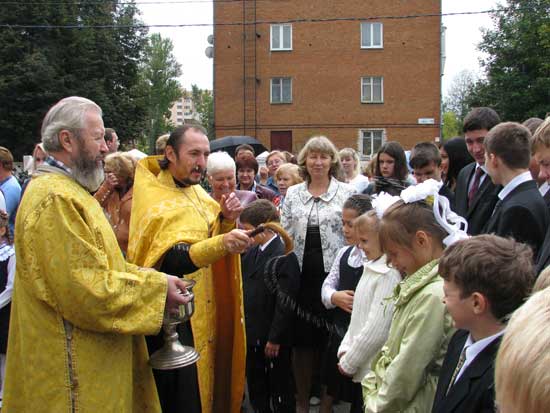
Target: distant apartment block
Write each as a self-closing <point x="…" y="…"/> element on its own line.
<point x="358" y="72"/>
<point x="183" y="110"/>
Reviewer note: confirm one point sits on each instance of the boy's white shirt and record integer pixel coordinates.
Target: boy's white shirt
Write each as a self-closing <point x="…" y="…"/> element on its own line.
<point x="265" y="244"/>
<point x="474" y="348"/>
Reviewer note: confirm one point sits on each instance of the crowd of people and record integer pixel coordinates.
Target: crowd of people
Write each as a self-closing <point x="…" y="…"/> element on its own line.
<point x="416" y="283"/>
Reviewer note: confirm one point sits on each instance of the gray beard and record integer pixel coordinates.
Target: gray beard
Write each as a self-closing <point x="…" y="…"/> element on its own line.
<point x="89" y="180"/>
<point x="86" y="172"/>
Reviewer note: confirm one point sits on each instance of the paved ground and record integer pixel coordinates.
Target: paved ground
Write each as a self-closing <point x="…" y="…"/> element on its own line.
<point x="338" y="408"/>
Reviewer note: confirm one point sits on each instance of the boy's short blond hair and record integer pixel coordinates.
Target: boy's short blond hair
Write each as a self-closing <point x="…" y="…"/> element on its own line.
<point x="541" y="137"/>
<point x="543" y="280"/>
<point x="522" y="374"/>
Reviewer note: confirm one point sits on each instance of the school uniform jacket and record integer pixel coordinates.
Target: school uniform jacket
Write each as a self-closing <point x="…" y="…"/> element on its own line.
<point x="474" y="390"/>
<point x="266" y="318"/>
<point x="523" y="215"/>
<point x="478" y="213"/>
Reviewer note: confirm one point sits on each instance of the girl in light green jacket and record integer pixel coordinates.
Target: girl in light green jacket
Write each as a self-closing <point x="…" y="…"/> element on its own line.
<point x="405" y="372"/>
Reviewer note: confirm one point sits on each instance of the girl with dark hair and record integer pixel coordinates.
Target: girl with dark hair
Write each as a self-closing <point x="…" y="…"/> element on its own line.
<point x="454" y="157"/>
<point x="390" y="174"/>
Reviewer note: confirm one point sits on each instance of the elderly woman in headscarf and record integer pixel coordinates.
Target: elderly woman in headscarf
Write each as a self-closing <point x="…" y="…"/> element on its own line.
<point x="115" y="194"/>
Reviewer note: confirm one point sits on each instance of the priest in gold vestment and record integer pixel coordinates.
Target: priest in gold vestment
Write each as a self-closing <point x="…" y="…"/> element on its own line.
<point x="79" y="311"/>
<point x="178" y="228"/>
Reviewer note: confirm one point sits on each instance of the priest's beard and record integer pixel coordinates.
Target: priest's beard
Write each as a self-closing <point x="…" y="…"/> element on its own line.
<point x="88" y="170"/>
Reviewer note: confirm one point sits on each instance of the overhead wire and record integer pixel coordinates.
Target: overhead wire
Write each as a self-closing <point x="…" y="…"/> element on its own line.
<point x="256" y="22"/>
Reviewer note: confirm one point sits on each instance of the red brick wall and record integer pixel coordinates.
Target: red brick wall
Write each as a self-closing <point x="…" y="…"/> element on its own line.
<point x="326" y="66"/>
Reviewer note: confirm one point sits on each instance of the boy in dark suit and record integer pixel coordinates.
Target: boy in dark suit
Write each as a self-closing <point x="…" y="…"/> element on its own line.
<point x="520" y="211"/>
<point x="475" y="193"/>
<point x="486" y="278"/>
<point x="425" y="161"/>
<point x="268" y="321"/>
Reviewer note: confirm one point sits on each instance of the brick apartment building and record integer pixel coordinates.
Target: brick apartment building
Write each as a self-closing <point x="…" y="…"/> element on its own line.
<point x="360" y="81"/>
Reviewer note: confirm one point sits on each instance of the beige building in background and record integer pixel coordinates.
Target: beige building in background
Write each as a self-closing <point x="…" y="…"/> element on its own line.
<point x="183" y="110"/>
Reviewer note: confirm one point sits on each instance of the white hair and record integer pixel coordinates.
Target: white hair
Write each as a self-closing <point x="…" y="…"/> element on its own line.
<point x="219" y="161"/>
<point x="66" y="114"/>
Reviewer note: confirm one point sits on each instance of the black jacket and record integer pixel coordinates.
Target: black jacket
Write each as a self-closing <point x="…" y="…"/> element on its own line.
<point x="478" y="213"/>
<point x="266" y="317"/>
<point x="474" y="392"/>
<point x="522" y="215"/>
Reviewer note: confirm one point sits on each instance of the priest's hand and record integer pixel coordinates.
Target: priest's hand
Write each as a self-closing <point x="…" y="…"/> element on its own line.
<point x="231" y="206"/>
<point x="236" y="241"/>
<point x="175" y="296"/>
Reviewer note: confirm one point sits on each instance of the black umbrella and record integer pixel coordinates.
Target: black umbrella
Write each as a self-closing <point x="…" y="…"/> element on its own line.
<point x="230" y="143"/>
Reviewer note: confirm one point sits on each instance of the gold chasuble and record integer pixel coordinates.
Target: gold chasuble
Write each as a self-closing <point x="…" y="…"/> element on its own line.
<point x="164" y="215"/>
<point x="80" y="311"/>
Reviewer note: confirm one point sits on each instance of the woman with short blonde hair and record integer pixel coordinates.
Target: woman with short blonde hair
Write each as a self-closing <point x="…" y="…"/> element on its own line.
<point x="312" y="216"/>
<point x="116" y="193"/>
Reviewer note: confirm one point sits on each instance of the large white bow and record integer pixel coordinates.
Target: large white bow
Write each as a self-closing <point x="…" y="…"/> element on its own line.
<point x="454" y="224"/>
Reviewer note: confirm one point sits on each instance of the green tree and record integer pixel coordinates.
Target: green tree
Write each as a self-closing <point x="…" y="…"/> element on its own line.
<point x="39" y="66"/>
<point x="517" y="68"/>
<point x="203" y="100"/>
<point x="160" y="71"/>
<point x="451" y="125"/>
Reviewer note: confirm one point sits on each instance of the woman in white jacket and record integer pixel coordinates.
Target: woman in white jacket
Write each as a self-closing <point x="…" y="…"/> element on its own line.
<point x="312" y="216"/>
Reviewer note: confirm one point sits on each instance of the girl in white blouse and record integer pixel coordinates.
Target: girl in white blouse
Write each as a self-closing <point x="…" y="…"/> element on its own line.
<point x="372" y="312"/>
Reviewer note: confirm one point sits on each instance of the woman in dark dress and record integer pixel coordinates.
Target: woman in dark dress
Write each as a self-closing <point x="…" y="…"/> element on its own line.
<point x="312" y="216"/>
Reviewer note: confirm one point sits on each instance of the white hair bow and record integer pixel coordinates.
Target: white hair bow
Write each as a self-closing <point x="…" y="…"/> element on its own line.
<point x="454" y="224"/>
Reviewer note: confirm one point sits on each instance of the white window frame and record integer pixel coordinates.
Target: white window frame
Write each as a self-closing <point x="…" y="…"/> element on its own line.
<point x="281" y="47"/>
<point x="281" y="90"/>
<point x="369" y="99"/>
<point x="361" y="137"/>
<point x="371" y="26"/>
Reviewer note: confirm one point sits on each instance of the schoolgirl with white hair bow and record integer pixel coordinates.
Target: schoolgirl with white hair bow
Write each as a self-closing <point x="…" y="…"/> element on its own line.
<point x="414" y="230"/>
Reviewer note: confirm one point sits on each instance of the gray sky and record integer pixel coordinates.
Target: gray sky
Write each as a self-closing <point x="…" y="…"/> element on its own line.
<point x="463" y="34"/>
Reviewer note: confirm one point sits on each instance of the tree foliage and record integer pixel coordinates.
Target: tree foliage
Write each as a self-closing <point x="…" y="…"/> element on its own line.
<point x="451" y="125"/>
<point x="456" y="99"/>
<point x="517" y="68"/>
<point x="159" y="73"/>
<point x="39" y="66"/>
<point x="203" y="100"/>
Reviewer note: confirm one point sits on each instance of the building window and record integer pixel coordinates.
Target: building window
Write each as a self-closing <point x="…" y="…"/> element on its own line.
<point x="372" y="36"/>
<point x="281" y="90"/>
<point x="281" y="37"/>
<point x="370" y="141"/>
<point x="372" y="89"/>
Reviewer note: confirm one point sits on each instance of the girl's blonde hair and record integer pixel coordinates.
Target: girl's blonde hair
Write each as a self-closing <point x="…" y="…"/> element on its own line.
<point x="522" y="376"/>
<point x="291" y="169"/>
<point x="351" y="153"/>
<point x="367" y="220"/>
<point x="402" y="221"/>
